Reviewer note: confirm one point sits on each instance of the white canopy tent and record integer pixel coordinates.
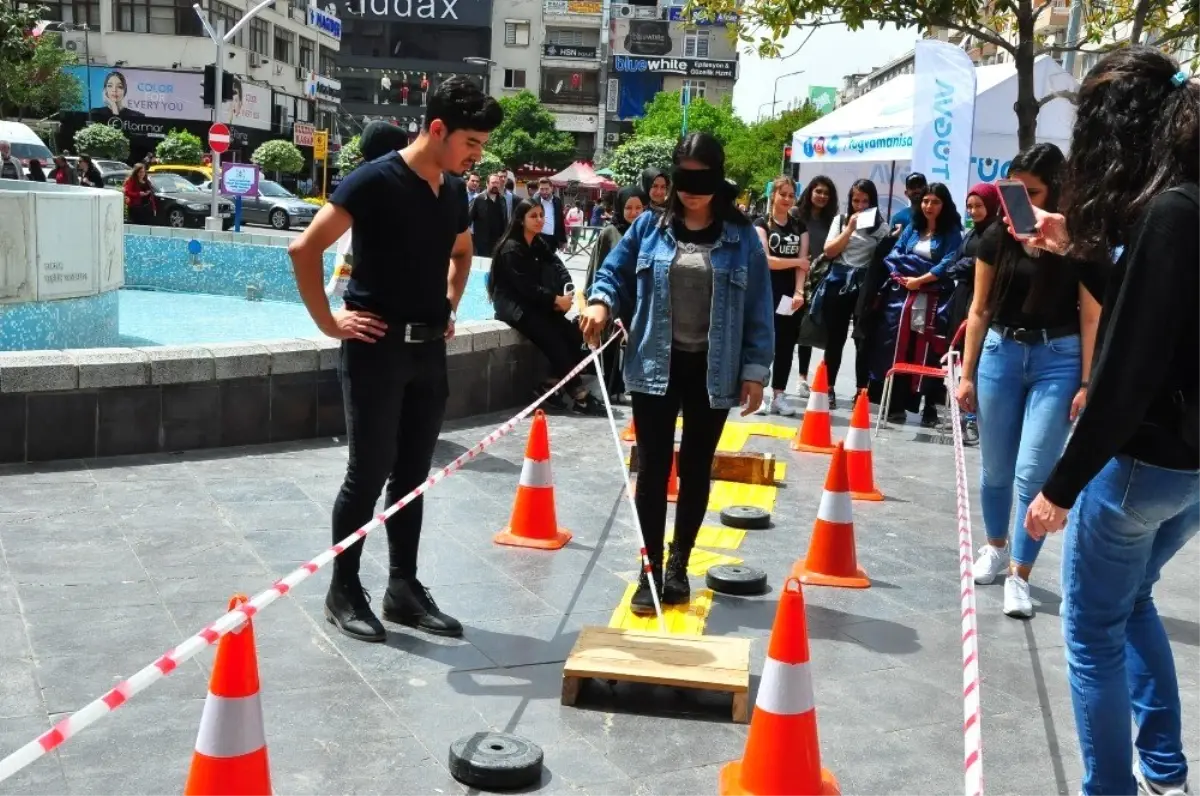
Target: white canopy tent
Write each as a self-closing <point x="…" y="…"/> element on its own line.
<point x="872" y="136"/>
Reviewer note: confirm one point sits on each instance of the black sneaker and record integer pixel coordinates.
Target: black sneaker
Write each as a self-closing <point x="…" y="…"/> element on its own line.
<point x="676" y="589"/>
<point x="929" y="417"/>
<point x="897" y="417"/>
<point x="407" y="602"/>
<point x="590" y="407"/>
<point x="348" y="608"/>
<point x="642" y="603"/>
<point x="832" y="401"/>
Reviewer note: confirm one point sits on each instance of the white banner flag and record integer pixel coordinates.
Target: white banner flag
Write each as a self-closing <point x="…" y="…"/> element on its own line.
<point x="944" y="116"/>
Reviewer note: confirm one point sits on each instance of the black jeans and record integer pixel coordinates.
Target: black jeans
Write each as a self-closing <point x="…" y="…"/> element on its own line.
<point x="838" y="310"/>
<point x="556" y="337"/>
<point x="395" y="398"/>
<point x="654" y="420"/>
<point x="787" y="332"/>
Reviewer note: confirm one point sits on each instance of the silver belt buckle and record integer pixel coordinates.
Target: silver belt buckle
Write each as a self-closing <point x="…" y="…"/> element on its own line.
<point x="408" y="333"/>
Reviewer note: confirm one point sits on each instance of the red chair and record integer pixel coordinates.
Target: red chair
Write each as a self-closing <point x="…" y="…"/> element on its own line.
<point x="919" y="371"/>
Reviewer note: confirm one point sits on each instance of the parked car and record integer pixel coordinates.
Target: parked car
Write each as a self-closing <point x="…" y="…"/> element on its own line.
<point x="276" y="206"/>
<point x="196" y="175"/>
<point x="181" y="204"/>
<point x="114" y="172"/>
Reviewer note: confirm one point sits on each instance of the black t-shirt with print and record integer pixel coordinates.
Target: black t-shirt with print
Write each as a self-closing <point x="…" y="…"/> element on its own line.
<point x="402" y="237"/>
<point x="782" y="241"/>
<point x="1057" y="304"/>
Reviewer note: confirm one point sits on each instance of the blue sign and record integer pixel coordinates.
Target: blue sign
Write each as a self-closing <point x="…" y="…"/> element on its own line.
<point x="239" y="179"/>
<point x="326" y="23"/>
<point x="676" y="14"/>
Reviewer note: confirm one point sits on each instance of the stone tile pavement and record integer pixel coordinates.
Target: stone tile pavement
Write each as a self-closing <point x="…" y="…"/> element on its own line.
<point x="108" y="563"/>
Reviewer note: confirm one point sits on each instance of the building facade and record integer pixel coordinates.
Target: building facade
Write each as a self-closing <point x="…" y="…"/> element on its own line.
<point x="141" y="66"/>
<point x="394" y="52"/>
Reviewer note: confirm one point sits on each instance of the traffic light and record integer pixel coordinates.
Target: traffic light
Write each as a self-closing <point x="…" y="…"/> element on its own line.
<point x="210" y="82"/>
<point x="787" y="153"/>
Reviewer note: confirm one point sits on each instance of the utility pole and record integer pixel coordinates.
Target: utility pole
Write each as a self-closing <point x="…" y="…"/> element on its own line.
<point x="775" y="93"/>
<point x="686" y="101"/>
<point x="1073" y="23"/>
<point x="601" y="117"/>
<point x="213" y="222"/>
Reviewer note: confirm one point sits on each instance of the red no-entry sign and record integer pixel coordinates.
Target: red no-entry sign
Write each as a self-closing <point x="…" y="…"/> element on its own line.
<point x="218" y="138"/>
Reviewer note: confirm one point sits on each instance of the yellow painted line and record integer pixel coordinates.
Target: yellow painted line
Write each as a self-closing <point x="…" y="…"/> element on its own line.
<point x="774" y="430"/>
<point x="715" y="536"/>
<point x="727" y="493"/>
<point x="702" y="560"/>
<point x="684" y="620"/>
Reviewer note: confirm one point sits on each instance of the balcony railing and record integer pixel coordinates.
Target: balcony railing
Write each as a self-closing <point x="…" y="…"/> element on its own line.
<point x="566" y="97"/>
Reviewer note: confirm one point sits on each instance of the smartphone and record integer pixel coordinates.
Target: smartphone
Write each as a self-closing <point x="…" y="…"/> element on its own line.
<point x="1017" y="207"/>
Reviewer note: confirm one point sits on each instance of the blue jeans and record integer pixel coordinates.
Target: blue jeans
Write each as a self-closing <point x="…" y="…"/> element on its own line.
<point x="1024" y="394"/>
<point x="1127" y="524"/>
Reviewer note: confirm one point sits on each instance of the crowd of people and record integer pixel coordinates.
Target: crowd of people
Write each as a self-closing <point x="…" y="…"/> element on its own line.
<point x="1081" y="355"/>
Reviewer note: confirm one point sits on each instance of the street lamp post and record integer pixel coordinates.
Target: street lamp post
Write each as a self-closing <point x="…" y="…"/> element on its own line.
<point x="775" y="93"/>
<point x="213" y="222"/>
<point x="479" y="60"/>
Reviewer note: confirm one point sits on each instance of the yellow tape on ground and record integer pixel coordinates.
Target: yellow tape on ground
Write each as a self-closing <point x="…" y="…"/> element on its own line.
<point x="702" y="560"/>
<point x="727" y="493"/>
<point x="684" y="620"/>
<point x="774" y="430"/>
<point x="715" y="536"/>
<point x="734" y="437"/>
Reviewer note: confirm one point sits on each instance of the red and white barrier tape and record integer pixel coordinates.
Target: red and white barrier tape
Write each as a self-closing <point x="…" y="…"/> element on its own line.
<point x="972" y="707"/>
<point x="70" y="726"/>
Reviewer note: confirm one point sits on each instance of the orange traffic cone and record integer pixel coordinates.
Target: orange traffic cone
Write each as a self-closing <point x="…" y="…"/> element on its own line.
<point x="816" y="432"/>
<point x="858" y="452"/>
<point x="231" y="747"/>
<point x="832" y="560"/>
<point x="534" y="522"/>
<point x="782" y="750"/>
<point x="630" y="432"/>
<point x="673" y="479"/>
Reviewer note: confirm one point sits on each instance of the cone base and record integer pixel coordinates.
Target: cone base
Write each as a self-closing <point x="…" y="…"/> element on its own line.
<point x="859" y="580"/>
<point x="874" y="495"/>
<point x="730" y="782"/>
<point x="804" y="447"/>
<point x="555" y="542"/>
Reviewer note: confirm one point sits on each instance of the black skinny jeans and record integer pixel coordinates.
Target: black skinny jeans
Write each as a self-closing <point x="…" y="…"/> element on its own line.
<point x="395" y="398"/>
<point x="556" y="337"/>
<point x="654" y="420"/>
<point x="787" y="332"/>
<point x="838" y="310"/>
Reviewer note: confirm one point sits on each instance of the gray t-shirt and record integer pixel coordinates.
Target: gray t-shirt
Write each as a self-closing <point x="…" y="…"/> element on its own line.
<point x="860" y="250"/>
<point x="691" y="296"/>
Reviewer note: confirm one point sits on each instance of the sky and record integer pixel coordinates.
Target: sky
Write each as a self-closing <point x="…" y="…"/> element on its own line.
<point x="829" y="55"/>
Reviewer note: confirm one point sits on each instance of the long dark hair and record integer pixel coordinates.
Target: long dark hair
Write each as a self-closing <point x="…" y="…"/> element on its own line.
<point x="1044" y="161"/>
<point x="704" y="148"/>
<point x="515" y="231"/>
<point x="1137" y="134"/>
<point x="862" y="186"/>
<point x="804" y="205"/>
<point x="948" y="219"/>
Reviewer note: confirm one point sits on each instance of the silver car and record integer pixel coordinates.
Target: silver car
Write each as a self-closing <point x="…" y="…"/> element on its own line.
<point x="275" y="206"/>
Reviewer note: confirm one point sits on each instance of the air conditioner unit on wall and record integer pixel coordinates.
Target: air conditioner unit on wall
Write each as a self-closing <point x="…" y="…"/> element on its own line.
<point x="612" y="138"/>
<point x="625" y="12"/>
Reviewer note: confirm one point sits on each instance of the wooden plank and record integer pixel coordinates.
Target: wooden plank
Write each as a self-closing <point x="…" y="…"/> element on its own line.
<point x="741" y="707"/>
<point x="570" y="690"/>
<point x="668" y="675"/>
<point x="705" y="661"/>
<point x="741" y="467"/>
<point x="704" y="656"/>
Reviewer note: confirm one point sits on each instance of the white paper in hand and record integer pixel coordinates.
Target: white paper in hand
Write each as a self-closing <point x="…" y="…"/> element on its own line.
<point x="785" y="306"/>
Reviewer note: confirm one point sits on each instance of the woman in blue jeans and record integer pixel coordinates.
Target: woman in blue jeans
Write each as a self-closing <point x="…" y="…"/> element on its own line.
<point x="1036" y="325"/>
<point x="1132" y="466"/>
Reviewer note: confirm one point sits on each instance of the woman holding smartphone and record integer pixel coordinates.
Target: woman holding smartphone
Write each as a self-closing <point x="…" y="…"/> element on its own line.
<point x="695" y="283"/>
<point x="1030" y="335"/>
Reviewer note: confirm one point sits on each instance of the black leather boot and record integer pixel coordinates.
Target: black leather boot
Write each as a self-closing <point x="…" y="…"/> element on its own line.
<point x="676" y="589"/>
<point x="407" y="602"/>
<point x="348" y="608"/>
<point x="642" y="603"/>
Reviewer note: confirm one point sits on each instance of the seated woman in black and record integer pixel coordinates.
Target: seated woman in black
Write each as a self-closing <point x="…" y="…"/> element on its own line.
<point x="527" y="286"/>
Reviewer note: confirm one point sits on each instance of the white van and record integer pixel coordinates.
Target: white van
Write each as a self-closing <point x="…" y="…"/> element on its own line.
<point x="26" y="145"/>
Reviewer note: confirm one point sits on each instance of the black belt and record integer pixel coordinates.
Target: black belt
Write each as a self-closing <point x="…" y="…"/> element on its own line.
<point x="1031" y="336"/>
<point x="417" y="332"/>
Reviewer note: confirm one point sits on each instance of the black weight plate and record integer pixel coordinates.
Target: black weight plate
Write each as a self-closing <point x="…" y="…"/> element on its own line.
<point x="750" y="518"/>
<point x="736" y="579"/>
<point x="495" y="760"/>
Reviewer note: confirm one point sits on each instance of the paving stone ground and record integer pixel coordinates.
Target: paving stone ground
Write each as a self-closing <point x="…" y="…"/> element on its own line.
<point x="106" y="564"/>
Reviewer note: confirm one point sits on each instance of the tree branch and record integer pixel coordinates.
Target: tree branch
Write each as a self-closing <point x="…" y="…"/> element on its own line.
<point x="1067" y="94"/>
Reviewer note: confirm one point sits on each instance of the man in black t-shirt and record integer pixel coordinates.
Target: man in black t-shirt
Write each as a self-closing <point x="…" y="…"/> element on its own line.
<point x="412" y="255"/>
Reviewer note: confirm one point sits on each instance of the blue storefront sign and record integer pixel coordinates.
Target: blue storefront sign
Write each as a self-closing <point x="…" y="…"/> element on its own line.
<point x="677" y="14"/>
<point x="326" y="23"/>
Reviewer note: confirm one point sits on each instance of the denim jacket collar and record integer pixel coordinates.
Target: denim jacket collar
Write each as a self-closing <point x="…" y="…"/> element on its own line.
<point x="729" y="234"/>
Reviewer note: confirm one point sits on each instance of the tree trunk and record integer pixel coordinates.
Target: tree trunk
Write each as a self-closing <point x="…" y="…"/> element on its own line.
<point x="1026" y="106"/>
<point x="1139" y="22"/>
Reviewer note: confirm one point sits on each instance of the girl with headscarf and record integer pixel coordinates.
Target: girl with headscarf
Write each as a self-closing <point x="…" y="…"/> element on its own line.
<point x="631" y="202"/>
<point x="656" y="183"/>
<point x="983" y="208"/>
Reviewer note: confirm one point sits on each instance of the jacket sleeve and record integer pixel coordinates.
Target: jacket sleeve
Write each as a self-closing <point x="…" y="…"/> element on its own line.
<point x="604" y="244"/>
<point x="951" y="243"/>
<point x="758" y="321"/>
<point x="904" y="242"/>
<point x="614" y="283"/>
<point x="523" y="290"/>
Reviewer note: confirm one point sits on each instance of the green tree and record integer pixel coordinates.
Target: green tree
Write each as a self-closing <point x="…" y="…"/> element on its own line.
<point x="488" y="164"/>
<point x="1008" y="25"/>
<point x="102" y="141"/>
<point x="180" y="147"/>
<point x="755" y="157"/>
<point x="350" y="156"/>
<point x="640" y="153"/>
<point x="32" y="77"/>
<point x="664" y="118"/>
<point x="528" y="135"/>
<point x="278" y="156"/>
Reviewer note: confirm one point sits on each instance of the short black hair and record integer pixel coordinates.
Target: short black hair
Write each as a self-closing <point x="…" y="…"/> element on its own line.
<point x="510" y="184"/>
<point x="916" y="180"/>
<point x="462" y="105"/>
<point x="544" y="181"/>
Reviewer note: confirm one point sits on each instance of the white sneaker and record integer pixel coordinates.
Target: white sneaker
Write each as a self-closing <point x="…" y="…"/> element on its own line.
<point x="1147" y="787"/>
<point x="766" y="407"/>
<point x="803" y="390"/>
<point x="781" y="406"/>
<point x="1016" y="598"/>
<point x="992" y="563"/>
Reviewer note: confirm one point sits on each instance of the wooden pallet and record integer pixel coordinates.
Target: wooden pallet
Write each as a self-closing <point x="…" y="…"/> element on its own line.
<point x="708" y="663"/>
<point x="742" y="467"/>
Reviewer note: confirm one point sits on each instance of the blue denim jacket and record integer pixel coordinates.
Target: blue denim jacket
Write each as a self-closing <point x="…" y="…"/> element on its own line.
<point x="633" y="281"/>
<point x="943" y="246"/>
